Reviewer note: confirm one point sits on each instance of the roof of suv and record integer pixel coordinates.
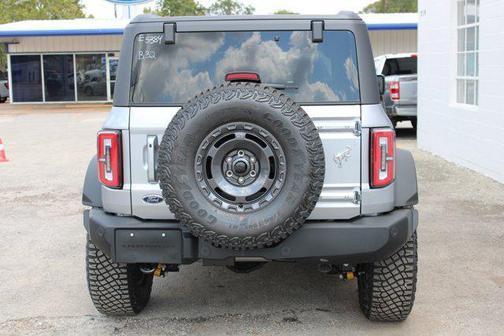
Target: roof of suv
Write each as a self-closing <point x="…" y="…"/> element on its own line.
<point x="343" y="15"/>
<point x="170" y="26"/>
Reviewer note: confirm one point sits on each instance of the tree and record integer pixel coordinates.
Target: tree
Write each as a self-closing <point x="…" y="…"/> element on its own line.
<point x="230" y="7"/>
<point x="284" y="11"/>
<point x="392" y="6"/>
<point x="180" y="8"/>
<point x="194" y="8"/>
<point x="18" y="10"/>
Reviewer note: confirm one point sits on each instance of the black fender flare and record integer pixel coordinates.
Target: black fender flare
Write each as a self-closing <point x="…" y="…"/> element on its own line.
<point x="406" y="187"/>
<point x="91" y="192"/>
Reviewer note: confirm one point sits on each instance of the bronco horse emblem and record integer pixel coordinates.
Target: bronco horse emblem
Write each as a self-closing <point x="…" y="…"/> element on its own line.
<point x="342" y="156"/>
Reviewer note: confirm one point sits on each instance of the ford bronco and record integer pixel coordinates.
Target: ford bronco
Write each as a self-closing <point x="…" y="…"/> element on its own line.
<point x="238" y="141"/>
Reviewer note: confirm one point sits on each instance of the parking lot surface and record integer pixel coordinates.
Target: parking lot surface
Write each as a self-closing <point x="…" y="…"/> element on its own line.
<point x="43" y="289"/>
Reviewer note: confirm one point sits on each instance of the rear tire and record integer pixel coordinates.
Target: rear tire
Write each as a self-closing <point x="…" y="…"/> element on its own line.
<point x="387" y="287"/>
<point x="116" y="289"/>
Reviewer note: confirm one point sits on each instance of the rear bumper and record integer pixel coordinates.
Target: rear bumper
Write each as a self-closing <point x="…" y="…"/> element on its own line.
<point x="365" y="239"/>
<point x="402" y="111"/>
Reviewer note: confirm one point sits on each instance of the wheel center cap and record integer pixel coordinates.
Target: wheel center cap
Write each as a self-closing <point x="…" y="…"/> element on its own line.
<point x="240" y="167"/>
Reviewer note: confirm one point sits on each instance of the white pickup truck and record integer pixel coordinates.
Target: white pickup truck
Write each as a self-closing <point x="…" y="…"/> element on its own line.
<point x="400" y="94"/>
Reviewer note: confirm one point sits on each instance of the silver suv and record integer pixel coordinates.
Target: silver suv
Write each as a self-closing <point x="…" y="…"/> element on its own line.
<point x="244" y="140"/>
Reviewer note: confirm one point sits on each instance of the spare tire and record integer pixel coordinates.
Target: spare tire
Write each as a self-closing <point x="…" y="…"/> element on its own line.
<point x="241" y="165"/>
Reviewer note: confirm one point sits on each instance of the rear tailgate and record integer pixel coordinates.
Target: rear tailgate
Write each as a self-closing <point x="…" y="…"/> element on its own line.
<point x="408" y="89"/>
<point x="339" y="130"/>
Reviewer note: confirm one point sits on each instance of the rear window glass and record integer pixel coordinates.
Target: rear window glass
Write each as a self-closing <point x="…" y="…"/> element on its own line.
<point x="309" y="72"/>
<point x="400" y="66"/>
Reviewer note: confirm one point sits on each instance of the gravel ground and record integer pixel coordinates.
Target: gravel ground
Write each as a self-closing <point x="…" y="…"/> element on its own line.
<point x="42" y="276"/>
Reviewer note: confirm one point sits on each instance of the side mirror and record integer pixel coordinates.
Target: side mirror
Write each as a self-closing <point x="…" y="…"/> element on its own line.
<point x="381" y="84"/>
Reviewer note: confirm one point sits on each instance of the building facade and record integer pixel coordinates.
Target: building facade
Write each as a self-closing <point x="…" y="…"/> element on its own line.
<point x="52" y="61"/>
<point x="62" y="60"/>
<point x="461" y="82"/>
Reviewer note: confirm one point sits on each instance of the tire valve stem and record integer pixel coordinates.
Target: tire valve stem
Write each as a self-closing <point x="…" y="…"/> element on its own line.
<point x="160" y="270"/>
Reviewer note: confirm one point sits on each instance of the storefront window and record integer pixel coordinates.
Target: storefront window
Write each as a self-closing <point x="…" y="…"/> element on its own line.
<point x="26" y="78"/>
<point x="113" y="63"/>
<point x="91" y="77"/>
<point x="59" y="78"/>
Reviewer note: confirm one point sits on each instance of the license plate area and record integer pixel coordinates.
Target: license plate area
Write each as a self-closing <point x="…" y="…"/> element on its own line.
<point x="148" y="246"/>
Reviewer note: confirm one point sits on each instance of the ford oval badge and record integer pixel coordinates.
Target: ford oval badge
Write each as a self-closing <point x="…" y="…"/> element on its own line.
<point x="152" y="199"/>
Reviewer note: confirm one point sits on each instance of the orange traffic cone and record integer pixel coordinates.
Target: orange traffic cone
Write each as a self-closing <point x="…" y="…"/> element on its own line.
<point x="3" y="158"/>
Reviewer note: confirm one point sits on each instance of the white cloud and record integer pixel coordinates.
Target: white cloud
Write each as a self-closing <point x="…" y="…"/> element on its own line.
<point x="181" y="74"/>
<point x="293" y="66"/>
<point x="351" y="73"/>
<point x="172" y="73"/>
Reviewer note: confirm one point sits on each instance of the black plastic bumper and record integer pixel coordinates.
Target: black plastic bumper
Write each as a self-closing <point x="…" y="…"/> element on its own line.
<point x="365" y="239"/>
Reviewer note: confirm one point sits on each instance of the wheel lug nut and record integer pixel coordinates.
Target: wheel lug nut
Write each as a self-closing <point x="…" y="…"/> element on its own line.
<point x="252" y="173"/>
<point x="252" y="159"/>
<point x="229" y="159"/>
<point x="241" y="180"/>
<point x="241" y="153"/>
<point x="229" y="173"/>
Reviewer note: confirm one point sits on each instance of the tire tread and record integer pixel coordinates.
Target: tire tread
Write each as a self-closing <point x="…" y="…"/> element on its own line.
<point x="112" y="286"/>
<point x="387" y="288"/>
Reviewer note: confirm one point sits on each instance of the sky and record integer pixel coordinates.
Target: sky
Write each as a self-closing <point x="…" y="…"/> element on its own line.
<point x="103" y="9"/>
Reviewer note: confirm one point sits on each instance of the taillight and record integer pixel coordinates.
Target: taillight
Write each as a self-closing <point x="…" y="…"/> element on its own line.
<point x="395" y="90"/>
<point x="110" y="158"/>
<point x="382" y="157"/>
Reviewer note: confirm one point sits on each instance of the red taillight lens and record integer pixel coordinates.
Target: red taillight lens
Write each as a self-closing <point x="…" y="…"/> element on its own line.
<point x="382" y="157"/>
<point x="110" y="158"/>
<point x="243" y="77"/>
<point x="395" y="90"/>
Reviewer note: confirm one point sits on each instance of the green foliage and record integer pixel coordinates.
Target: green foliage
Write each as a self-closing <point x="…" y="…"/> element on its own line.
<point x="18" y="10"/>
<point x="194" y="8"/>
<point x="392" y="6"/>
<point x="3" y="58"/>
<point x="230" y="7"/>
<point x="284" y="11"/>
<point x="179" y="8"/>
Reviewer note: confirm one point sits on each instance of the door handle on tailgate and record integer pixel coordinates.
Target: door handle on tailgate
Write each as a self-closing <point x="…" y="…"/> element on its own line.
<point x="152" y="149"/>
